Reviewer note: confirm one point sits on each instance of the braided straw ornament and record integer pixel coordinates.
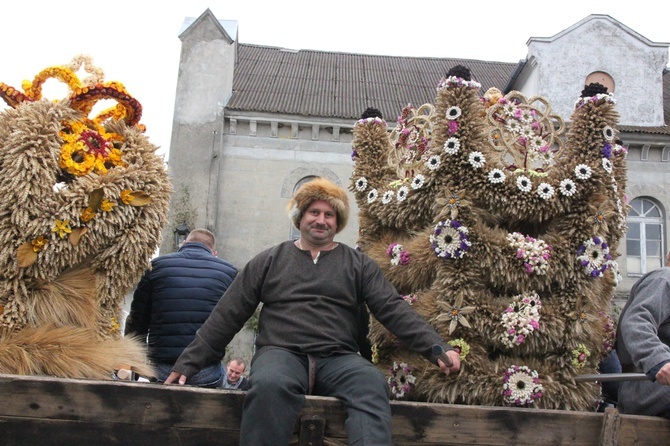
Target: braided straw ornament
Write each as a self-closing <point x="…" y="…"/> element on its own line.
<point x="84" y="203"/>
<point x="511" y="227"/>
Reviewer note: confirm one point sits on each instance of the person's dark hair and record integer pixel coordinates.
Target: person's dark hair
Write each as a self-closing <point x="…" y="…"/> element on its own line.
<point x="202" y="236"/>
<point x="593" y="89"/>
<point x="460" y="71"/>
<point x="371" y="112"/>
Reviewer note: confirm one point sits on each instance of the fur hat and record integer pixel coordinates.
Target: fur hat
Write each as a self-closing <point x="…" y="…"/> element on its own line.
<point x="319" y="189"/>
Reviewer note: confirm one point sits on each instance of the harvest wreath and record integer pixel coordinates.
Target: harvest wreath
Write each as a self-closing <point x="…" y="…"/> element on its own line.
<point x="508" y="227"/>
<point x="85" y="199"/>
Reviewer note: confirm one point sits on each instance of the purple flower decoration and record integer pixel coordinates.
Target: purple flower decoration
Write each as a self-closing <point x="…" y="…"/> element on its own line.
<point x="450" y="239"/>
<point x="607" y="150"/>
<point x="594" y="255"/>
<point x="452" y="127"/>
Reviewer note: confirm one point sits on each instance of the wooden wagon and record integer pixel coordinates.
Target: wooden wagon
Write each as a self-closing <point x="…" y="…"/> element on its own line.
<point x="39" y="410"/>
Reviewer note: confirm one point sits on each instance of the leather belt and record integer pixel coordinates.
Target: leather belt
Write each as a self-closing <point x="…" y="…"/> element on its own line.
<point x="312" y="372"/>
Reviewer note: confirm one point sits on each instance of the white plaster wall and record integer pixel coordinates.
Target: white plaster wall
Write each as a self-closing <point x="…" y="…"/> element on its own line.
<point x="564" y="62"/>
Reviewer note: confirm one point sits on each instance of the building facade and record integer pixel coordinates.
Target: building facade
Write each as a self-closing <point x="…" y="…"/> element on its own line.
<point x="252" y="122"/>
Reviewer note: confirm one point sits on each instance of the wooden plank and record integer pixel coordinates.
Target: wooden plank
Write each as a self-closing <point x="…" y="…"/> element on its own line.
<point x="53" y="411"/>
<point x="643" y="431"/>
<point x="312" y="430"/>
<point x="610" y="431"/>
<point x="442" y="424"/>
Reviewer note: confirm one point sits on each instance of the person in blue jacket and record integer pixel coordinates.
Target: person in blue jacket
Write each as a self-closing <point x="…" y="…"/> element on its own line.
<point x="174" y="298"/>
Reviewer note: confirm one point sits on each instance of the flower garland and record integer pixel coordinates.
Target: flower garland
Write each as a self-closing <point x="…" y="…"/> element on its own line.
<point x="373" y="120"/>
<point x="455" y="81"/>
<point x="532" y="252"/>
<point x="579" y="356"/>
<point x="461" y="347"/>
<point x="594" y="256"/>
<point x="398" y="255"/>
<point x="401" y="382"/>
<point x="521" y="386"/>
<point x="450" y="239"/>
<point x="520" y="319"/>
<point x="608" y="97"/>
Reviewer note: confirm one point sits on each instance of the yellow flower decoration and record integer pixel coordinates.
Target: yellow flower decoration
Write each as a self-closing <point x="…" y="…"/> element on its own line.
<point x="115" y="325"/>
<point x="87" y="214"/>
<point x="39" y="243"/>
<point x="461" y="347"/>
<point x="375" y="354"/>
<point x="88" y="147"/>
<point x="62" y="227"/>
<point x="126" y="196"/>
<point x="107" y="205"/>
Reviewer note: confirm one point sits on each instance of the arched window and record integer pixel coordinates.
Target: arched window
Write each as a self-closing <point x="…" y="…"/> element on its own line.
<point x="602" y="78"/>
<point x="645" y="244"/>
<point x="295" y="232"/>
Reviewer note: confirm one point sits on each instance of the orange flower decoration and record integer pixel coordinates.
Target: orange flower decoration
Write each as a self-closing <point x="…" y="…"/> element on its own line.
<point x="87" y="214"/>
<point x="39" y="243"/>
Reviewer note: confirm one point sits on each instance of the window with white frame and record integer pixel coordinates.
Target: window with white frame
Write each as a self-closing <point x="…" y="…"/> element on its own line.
<point x="295" y="232"/>
<point x="644" y="238"/>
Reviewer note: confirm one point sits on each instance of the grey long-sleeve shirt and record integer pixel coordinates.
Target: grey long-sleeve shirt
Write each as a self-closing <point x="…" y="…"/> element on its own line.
<point x="308" y="307"/>
<point x="643" y="342"/>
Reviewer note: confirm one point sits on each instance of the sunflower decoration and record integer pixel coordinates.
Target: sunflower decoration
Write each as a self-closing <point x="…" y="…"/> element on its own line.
<point x="88" y="147"/>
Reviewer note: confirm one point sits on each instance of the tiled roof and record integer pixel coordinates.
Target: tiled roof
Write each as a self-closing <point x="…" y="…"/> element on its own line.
<point x="343" y="85"/>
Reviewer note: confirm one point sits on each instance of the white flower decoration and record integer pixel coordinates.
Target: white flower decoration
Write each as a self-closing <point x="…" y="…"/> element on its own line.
<point x="536" y="142"/>
<point x="59" y="187"/>
<point x="567" y="187"/>
<point x="388" y="196"/>
<point x="607" y="165"/>
<point x="524" y="184"/>
<point x="509" y="108"/>
<point x="521" y="386"/>
<point x="477" y="159"/>
<point x="453" y="113"/>
<point x="402" y="193"/>
<point x="608" y="133"/>
<point x="513" y="126"/>
<point x="526" y="131"/>
<point x="372" y="196"/>
<point x="361" y="184"/>
<point x="496" y="176"/>
<point x="418" y="181"/>
<point x="433" y="162"/>
<point x="545" y="191"/>
<point x="527" y="116"/>
<point x="583" y="172"/>
<point x="452" y="146"/>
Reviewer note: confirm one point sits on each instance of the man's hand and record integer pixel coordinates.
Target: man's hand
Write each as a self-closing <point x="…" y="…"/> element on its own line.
<point x="176" y="377"/>
<point x="455" y="362"/>
<point x="663" y="375"/>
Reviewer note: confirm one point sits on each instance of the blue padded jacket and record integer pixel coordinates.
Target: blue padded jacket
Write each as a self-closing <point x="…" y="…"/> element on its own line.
<point x="175" y="297"/>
